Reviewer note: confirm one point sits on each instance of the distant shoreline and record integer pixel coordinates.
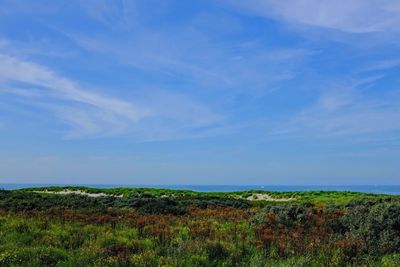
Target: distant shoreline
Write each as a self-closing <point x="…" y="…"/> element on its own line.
<point x="375" y="189"/>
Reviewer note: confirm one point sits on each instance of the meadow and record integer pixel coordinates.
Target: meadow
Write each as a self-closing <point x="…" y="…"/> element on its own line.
<point x="80" y="226"/>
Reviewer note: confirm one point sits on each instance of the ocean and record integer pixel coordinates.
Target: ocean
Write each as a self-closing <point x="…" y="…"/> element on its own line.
<point x="376" y="189"/>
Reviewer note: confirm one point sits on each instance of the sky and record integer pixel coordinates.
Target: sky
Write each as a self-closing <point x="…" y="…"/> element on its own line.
<point x="291" y="92"/>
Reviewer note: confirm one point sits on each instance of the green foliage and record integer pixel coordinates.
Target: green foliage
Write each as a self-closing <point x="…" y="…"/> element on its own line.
<point x="216" y="251"/>
<point x="156" y="227"/>
<point x="377" y="224"/>
<point x="28" y="200"/>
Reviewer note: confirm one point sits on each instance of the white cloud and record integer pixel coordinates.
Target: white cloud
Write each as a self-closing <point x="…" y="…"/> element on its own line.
<point x="382" y="65"/>
<point x="356" y="16"/>
<point x="200" y="52"/>
<point x="12" y="69"/>
<point x="190" y="55"/>
<point x="347" y="112"/>
<point x="178" y="116"/>
<point x="157" y="115"/>
<point x="96" y="108"/>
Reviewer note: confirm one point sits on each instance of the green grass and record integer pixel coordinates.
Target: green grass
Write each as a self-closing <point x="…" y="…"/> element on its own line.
<point x="314" y="197"/>
<point x="159" y="227"/>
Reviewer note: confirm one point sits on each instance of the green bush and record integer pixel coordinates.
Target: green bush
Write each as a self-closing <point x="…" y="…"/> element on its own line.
<point x="216" y="251"/>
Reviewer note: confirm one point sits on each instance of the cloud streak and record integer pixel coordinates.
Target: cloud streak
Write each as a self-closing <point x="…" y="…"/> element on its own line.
<point x="159" y="115"/>
<point x="95" y="108"/>
<point x="347" y="113"/>
<point x="357" y="16"/>
<point x="195" y="52"/>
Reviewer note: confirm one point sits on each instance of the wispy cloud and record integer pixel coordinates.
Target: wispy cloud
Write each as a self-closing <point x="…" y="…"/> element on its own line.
<point x="190" y="66"/>
<point x="238" y="66"/>
<point x="357" y="16"/>
<point x="346" y="112"/>
<point x="189" y="52"/>
<point x="381" y="66"/>
<point x="160" y="115"/>
<point x="97" y="108"/>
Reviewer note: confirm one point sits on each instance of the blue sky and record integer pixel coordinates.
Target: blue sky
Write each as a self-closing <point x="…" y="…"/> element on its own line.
<point x="200" y="92"/>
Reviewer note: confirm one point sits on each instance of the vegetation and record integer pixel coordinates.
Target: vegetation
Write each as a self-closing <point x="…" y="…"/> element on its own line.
<point x="157" y="227"/>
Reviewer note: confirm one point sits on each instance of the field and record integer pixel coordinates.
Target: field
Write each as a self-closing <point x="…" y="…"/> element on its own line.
<point x="79" y="226"/>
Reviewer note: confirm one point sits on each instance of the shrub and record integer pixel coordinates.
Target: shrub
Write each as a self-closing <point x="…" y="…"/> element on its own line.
<point x="216" y="251"/>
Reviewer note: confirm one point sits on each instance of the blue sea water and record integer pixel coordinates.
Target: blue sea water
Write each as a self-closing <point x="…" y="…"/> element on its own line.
<point x="376" y="189"/>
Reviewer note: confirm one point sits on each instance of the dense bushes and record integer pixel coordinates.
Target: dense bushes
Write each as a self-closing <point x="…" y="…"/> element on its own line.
<point x="354" y="230"/>
<point x="32" y="256"/>
<point x="20" y="200"/>
<point x="144" y="230"/>
<point x="377" y="225"/>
